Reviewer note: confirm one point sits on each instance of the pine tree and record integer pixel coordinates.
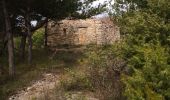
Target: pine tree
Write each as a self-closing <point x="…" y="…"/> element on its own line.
<point x="145" y="24"/>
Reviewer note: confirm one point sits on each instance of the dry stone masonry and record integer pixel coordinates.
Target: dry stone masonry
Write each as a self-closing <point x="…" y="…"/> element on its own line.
<point x="82" y="32"/>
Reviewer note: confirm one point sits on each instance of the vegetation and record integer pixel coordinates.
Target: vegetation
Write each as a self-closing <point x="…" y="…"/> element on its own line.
<point x="105" y="67"/>
<point x="136" y="67"/>
<point x="18" y="15"/>
<point x="146" y="50"/>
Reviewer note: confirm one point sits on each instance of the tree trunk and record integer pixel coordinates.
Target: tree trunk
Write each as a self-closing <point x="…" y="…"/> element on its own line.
<point x="3" y="42"/>
<point x="22" y="46"/>
<point x="28" y="25"/>
<point x="10" y="40"/>
<point x="46" y="33"/>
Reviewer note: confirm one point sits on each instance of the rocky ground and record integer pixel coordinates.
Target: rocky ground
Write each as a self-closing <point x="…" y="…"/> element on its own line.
<point x="43" y="89"/>
<point x="38" y="88"/>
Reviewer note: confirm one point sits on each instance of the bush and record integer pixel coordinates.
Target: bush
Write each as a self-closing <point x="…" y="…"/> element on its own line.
<point x="150" y="74"/>
<point x="38" y="38"/>
<point x="105" y="68"/>
<point x="75" y="80"/>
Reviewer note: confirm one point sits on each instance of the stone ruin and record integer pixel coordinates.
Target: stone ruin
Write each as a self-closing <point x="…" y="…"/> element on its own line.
<point x="82" y="32"/>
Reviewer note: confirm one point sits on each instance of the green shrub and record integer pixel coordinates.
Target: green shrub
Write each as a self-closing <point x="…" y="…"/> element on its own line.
<point x="38" y="38"/>
<point x="75" y="80"/>
<point x="17" y="41"/>
<point x="150" y="75"/>
<point x="104" y="70"/>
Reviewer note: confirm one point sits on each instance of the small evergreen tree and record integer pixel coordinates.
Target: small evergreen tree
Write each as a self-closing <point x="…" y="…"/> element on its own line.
<point x="145" y="24"/>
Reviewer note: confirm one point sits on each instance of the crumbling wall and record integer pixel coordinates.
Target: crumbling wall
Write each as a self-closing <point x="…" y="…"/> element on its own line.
<point x="82" y="32"/>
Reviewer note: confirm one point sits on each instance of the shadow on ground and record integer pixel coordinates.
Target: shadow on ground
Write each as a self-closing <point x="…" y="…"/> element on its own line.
<point x="44" y="60"/>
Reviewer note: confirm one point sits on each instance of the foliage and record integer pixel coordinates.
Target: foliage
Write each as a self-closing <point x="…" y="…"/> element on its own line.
<point x="25" y="74"/>
<point x="75" y="80"/>
<point x="145" y="30"/>
<point x="149" y="77"/>
<point x="104" y="70"/>
<point x="17" y="42"/>
<point x="38" y="38"/>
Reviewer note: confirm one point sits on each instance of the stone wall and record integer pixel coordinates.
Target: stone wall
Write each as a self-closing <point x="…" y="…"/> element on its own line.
<point x="82" y="32"/>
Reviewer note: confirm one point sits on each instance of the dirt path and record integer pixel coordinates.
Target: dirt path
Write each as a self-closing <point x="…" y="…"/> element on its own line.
<point x="37" y="89"/>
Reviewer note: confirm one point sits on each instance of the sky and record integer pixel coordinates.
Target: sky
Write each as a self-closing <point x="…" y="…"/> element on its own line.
<point x="96" y="3"/>
<point x="102" y="1"/>
<point x="99" y="1"/>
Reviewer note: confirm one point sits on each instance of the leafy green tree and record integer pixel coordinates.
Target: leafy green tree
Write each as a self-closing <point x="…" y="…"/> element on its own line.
<point x="149" y="71"/>
<point x="42" y="10"/>
<point x="22" y="12"/>
<point x="145" y="26"/>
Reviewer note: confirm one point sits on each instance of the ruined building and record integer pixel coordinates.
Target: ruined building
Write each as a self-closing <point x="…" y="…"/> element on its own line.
<point x="82" y="32"/>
